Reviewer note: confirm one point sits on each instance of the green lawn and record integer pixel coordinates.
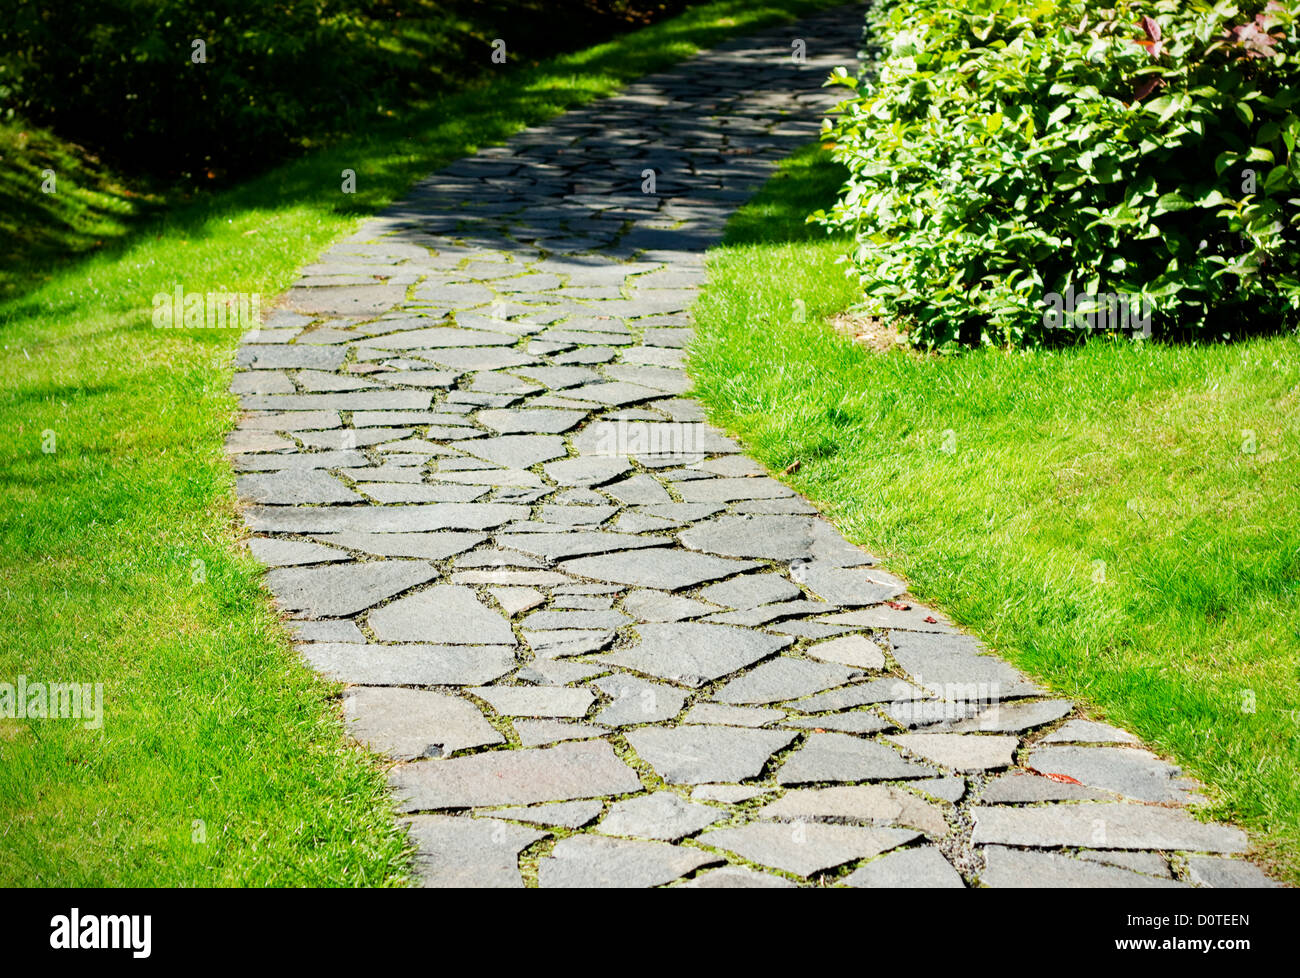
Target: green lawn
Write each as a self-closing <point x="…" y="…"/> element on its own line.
<point x="209" y="717"/>
<point x="1176" y="466"/>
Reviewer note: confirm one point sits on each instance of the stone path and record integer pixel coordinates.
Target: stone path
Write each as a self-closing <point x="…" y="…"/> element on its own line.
<point x="605" y="647"/>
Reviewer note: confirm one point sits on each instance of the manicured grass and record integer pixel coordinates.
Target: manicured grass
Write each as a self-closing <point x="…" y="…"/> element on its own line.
<point x="1176" y="466"/>
<point x="208" y="714"/>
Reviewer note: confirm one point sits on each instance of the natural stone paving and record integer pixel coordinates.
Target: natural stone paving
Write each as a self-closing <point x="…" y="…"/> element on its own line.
<point x="603" y="647"/>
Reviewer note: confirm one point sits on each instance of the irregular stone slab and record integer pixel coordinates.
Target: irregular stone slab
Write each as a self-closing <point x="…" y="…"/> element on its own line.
<point x="913" y="617"/>
<point x="535" y="733"/>
<point x="950" y="788"/>
<point x="386" y="400"/>
<point x="410" y="665"/>
<point x="849" y="586"/>
<point x="661" y="815"/>
<point x="585" y="769"/>
<point x="736" y="877"/>
<point x="518" y="451"/>
<point x="1128" y="771"/>
<point x="543" y="620"/>
<point x="438" y="336"/>
<point x="1088" y="732"/>
<point x="774" y="537"/>
<point x="653" y="438"/>
<point x="548" y="421"/>
<point x="298" y="462"/>
<point x="431" y="546"/>
<point x="381" y="519"/>
<point x="942" y="662"/>
<point x="842" y="757"/>
<point x="729" y="794"/>
<point x="806" y="848"/>
<point x="446" y="614"/>
<point x="326" y="631"/>
<point x="698" y="755"/>
<point x="465" y="852"/>
<point x="729" y="490"/>
<point x="734" y="716"/>
<point x="1102" y="825"/>
<point x="863" y="694"/>
<point x="750" y="591"/>
<point x="515" y="600"/>
<point x="754" y="617"/>
<point x="639" y="490"/>
<point x="660" y="568"/>
<point x="412" y="723"/>
<point x="783" y="678"/>
<point x="1016" y="868"/>
<point x="1015" y="716"/>
<point x="576" y="542"/>
<point x="566" y="814"/>
<point x="858" y="722"/>
<point x="586" y="470"/>
<point x="290" y="357"/>
<point x="961" y="752"/>
<point x="693" y="654"/>
<point x="588" y="861"/>
<point x="536" y="701"/>
<point x="355" y="300"/>
<point x="1023" y="787"/>
<point x="660" y="606"/>
<point x="312" y="486"/>
<point x="284" y="553"/>
<point x="1150" y="863"/>
<point x="637" y="701"/>
<point x="1227" y="873"/>
<point x="853" y="651"/>
<point x="339" y="590"/>
<point x="868" y="803"/>
<point x="907" y="869"/>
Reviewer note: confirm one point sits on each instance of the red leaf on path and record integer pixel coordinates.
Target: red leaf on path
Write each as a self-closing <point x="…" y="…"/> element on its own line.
<point x="930" y="619"/>
<point x="1060" y="778"/>
<point x="899" y="606"/>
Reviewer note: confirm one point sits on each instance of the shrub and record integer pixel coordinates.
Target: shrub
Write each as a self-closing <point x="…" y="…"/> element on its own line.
<point x="1004" y="153"/>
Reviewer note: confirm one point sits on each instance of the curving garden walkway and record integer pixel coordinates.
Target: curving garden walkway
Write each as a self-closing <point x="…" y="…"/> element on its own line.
<point x="605" y="647"/>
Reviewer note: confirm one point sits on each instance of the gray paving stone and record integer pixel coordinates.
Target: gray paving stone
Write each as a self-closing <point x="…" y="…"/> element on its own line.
<point x="729" y="794"/>
<point x="341" y="630"/>
<point x="1222" y="873"/>
<point x="285" y="553"/>
<point x="412" y="723"/>
<point x="887" y="690"/>
<point x="465" y="852"/>
<point x="806" y="848"/>
<point x="1150" y="863"/>
<point x="638" y="490"/>
<point x="1014" y="717"/>
<point x="660" y="606"/>
<point x="518" y="451"/>
<point x="774" y="537"/>
<point x="849" y="586"/>
<point x="565" y="814"/>
<point x="961" y="752"/>
<point x="693" y="654"/>
<point x="548" y="421"/>
<point x="857" y="721"/>
<point x="575" y="543"/>
<point x="1088" y="732"/>
<point x="591" y="861"/>
<point x="637" y="701"/>
<point x="536" y="701"/>
<point x="430" y="546"/>
<point x="867" y="804"/>
<point x="338" y="590"/>
<point x="852" y="651"/>
<point x="446" y="614"/>
<point x="661" y="815"/>
<point x="516" y="600"/>
<point x="702" y="754"/>
<point x="1103" y="825"/>
<point x="575" y="619"/>
<point x="1022" y="787"/>
<point x="535" y="733"/>
<point x="736" y="877"/>
<point x="1128" y="771"/>
<point x="734" y="716"/>
<point x="410" y="665"/>
<point x="1017" y="868"/>
<point x="660" y="568"/>
<point x="729" y="490"/>
<point x="381" y="519"/>
<point x="950" y="788"/>
<point x="750" y="591"/>
<point x="939" y="662"/>
<point x="912" y="617"/>
<point x="843" y="757"/>
<point x="922" y="867"/>
<point x="783" y="678"/>
<point x="586" y="470"/>
<point x="584" y="769"/>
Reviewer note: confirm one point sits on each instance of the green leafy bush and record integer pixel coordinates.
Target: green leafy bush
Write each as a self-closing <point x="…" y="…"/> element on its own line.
<point x="1006" y="152"/>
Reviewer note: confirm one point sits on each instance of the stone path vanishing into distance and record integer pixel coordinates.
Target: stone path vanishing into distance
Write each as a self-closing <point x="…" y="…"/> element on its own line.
<point x="606" y="648"/>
